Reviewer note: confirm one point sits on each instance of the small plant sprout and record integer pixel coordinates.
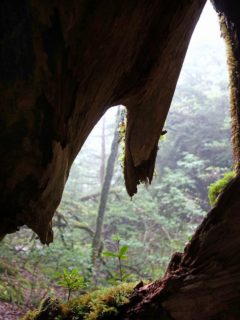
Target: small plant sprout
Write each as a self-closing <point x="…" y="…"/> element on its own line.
<point x="120" y="255"/>
<point x="71" y="280"/>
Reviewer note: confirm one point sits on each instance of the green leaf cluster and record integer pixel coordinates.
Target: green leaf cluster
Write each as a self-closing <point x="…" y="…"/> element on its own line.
<point x="120" y="254"/>
<point x="71" y="280"/>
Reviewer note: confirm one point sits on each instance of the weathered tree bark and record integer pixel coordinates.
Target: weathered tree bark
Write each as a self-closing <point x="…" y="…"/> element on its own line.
<point x="97" y="238"/>
<point x="203" y="282"/>
<point x="62" y="64"/>
<point x="229" y="13"/>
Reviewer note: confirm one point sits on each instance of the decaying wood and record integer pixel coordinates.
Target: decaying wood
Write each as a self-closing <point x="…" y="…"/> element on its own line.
<point x="203" y="282"/>
<point x="229" y="13"/>
<point x="62" y="64"/>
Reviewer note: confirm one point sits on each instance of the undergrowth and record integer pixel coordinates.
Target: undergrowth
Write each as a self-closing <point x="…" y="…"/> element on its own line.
<point x="10" y="290"/>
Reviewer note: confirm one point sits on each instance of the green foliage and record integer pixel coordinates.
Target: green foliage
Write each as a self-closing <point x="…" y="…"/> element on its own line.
<point x="120" y="255"/>
<point x="217" y="187"/>
<point x="71" y="280"/>
<point x="6" y="268"/>
<point x="11" y="283"/>
<point x="11" y="292"/>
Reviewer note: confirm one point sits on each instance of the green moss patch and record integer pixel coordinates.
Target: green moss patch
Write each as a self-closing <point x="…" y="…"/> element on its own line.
<point x="102" y="304"/>
<point x="217" y="187"/>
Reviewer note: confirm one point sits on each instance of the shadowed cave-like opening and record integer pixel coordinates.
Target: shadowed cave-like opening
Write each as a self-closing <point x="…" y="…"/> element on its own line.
<point x="159" y="220"/>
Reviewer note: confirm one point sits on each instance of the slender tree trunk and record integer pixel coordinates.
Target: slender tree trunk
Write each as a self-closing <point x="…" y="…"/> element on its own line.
<point x="103" y="152"/>
<point x="96" y="244"/>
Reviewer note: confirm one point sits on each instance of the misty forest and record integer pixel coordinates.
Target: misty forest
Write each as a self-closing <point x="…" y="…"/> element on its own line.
<point x="107" y="243"/>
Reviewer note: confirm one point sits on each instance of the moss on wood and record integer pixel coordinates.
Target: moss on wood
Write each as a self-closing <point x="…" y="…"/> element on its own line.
<point x="100" y="304"/>
<point x="230" y="35"/>
<point x="217" y="187"/>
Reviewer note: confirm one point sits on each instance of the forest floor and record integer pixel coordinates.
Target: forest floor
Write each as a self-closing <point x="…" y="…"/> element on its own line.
<point x="10" y="311"/>
<point x="22" y="288"/>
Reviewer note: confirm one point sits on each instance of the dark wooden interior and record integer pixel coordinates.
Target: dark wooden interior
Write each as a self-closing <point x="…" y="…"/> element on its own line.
<point x="62" y="65"/>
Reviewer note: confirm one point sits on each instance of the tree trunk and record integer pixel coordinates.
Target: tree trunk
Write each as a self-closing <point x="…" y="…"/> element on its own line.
<point x="96" y="244"/>
<point x="103" y="153"/>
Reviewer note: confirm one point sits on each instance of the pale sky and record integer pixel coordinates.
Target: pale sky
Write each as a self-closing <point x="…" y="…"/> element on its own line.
<point x="207" y="28"/>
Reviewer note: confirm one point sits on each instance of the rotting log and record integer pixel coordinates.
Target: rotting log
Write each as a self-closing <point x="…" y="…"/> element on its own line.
<point x="62" y="64"/>
<point x="202" y="283"/>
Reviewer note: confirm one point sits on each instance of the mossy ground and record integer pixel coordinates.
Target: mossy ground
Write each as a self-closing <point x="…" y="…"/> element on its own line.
<point x="100" y="304"/>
